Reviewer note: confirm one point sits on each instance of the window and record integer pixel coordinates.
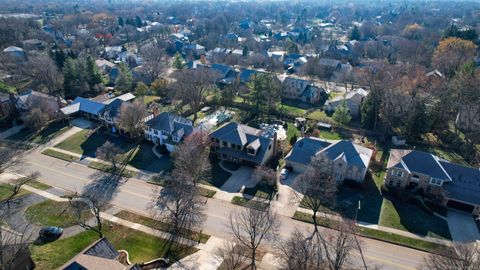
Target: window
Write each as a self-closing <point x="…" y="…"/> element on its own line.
<point x="239" y="147"/>
<point x="251" y="151"/>
<point x="399" y="183"/>
<point x="435" y="181"/>
<point x="397" y="173"/>
<point x="390" y="183"/>
<point x="224" y="143"/>
<point x="269" y="146"/>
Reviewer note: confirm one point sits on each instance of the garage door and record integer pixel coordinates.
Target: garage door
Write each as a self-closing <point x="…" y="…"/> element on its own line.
<point x="460" y="206"/>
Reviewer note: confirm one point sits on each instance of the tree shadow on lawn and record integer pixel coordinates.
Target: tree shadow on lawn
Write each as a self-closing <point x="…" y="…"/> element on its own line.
<point x="146" y="160"/>
<point x="415" y="219"/>
<point x="101" y="136"/>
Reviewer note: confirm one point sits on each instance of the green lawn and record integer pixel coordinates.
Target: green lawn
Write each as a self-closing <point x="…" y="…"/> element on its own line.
<point x="249" y="203"/>
<point x="208" y="193"/>
<point x="410" y="217"/>
<point x="376" y="234"/>
<point x="161" y="226"/>
<point x="330" y="135"/>
<point x="219" y="176"/>
<point x="6" y="191"/>
<point x="261" y="191"/>
<point x="44" y="135"/>
<point x="319" y="115"/>
<point x="52" y="213"/>
<point x="39" y="185"/>
<point x="108" y="168"/>
<point x="145" y="159"/>
<point x="292" y="110"/>
<point x="59" y="155"/>
<point x="141" y="247"/>
<point x="149" y="99"/>
<point x="292" y="130"/>
<point x="87" y="142"/>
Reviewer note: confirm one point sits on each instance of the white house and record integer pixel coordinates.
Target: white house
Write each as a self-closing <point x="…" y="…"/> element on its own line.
<point x="167" y="129"/>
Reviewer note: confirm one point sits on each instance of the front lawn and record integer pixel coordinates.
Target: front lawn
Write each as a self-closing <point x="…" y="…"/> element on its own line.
<point x="409" y="217"/>
<point x="86" y="142"/>
<point x="292" y="130"/>
<point x="141" y="247"/>
<point x="6" y="191"/>
<point x="261" y="190"/>
<point x="145" y="159"/>
<point x="218" y="176"/>
<point x="259" y="205"/>
<point x="330" y="135"/>
<point x="319" y="115"/>
<point x="44" y="135"/>
<point x="52" y="213"/>
<point x="376" y="234"/>
<point x="39" y="185"/>
<point x="158" y="225"/>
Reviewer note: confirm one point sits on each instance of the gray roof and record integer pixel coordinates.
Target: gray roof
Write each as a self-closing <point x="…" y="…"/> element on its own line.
<point x="465" y="185"/>
<point x="353" y="153"/>
<point x="261" y="151"/>
<point x="304" y="149"/>
<point x="103" y="248"/>
<point x="421" y="162"/>
<point x="113" y="108"/>
<point x="234" y="133"/>
<point x="84" y="105"/>
<point x="170" y="122"/>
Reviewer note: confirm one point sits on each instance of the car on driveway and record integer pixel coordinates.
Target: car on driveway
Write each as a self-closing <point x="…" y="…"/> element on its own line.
<point x="50" y="232"/>
<point x="284" y="174"/>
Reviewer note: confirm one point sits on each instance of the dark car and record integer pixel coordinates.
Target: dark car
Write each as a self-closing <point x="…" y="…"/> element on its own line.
<point x="50" y="232"/>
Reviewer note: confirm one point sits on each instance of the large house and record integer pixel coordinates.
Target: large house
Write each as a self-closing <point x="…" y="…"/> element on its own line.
<point x="243" y="144"/>
<point x="168" y="129"/>
<point x="345" y="159"/>
<point x="26" y="100"/>
<point x="303" y="90"/>
<point x="417" y="170"/>
<point x="353" y="100"/>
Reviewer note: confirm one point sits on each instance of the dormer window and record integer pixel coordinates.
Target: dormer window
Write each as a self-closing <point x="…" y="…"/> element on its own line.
<point x="251" y="151"/>
<point x="436" y="182"/>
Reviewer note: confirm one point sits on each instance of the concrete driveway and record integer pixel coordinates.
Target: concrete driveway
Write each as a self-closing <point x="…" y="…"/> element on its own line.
<point x="241" y="177"/>
<point x="462" y="226"/>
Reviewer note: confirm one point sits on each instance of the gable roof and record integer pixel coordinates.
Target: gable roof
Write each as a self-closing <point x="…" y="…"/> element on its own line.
<point x="170" y="122"/>
<point x="465" y="185"/>
<point x="234" y="133"/>
<point x="418" y="162"/>
<point x="113" y="108"/>
<point x="246" y="74"/>
<point x="83" y="105"/>
<point x="304" y="149"/>
<point x="352" y="153"/>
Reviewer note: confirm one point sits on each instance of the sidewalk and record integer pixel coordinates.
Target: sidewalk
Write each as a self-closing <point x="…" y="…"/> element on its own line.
<point x="203" y="259"/>
<point x="382" y="228"/>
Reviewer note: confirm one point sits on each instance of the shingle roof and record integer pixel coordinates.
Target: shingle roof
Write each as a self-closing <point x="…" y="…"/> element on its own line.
<point x="304" y="149"/>
<point x="352" y="153"/>
<point x="261" y="151"/>
<point x="234" y="133"/>
<point x="113" y="108"/>
<point x="421" y="162"/>
<point x="89" y="106"/>
<point x="465" y="185"/>
<point x="170" y="122"/>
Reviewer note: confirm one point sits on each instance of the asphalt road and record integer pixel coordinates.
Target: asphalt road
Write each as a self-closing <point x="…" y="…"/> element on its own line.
<point x="135" y="195"/>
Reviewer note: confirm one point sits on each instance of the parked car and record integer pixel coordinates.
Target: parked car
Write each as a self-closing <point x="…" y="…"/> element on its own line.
<point x="50" y="232"/>
<point x="284" y="174"/>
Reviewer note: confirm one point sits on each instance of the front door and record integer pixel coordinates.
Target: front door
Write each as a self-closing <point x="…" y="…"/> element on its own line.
<point x="412" y="185"/>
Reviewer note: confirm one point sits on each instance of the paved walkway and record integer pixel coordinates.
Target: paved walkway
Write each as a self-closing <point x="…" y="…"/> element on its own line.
<point x="11" y="131"/>
<point x="286" y="203"/>
<point x="462" y="226"/>
<point x="383" y="228"/>
<point x="203" y="259"/>
<point x="155" y="151"/>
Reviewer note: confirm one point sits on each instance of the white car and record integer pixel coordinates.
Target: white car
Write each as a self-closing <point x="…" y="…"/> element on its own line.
<point x="284" y="174"/>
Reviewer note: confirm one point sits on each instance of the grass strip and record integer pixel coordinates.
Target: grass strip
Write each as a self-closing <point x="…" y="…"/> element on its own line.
<point x="59" y="155"/>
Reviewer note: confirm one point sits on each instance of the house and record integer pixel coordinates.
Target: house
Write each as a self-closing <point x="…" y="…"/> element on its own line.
<point x="224" y="74"/>
<point x="111" y="52"/>
<point x="109" y="114"/>
<point x="193" y="49"/>
<point x="168" y="129"/>
<point x="344" y="159"/>
<point x="32" y="98"/>
<point x="352" y="99"/>
<point x="330" y="65"/>
<point x="99" y="255"/>
<point x="104" y="65"/>
<point x="417" y="170"/>
<point x="95" y="108"/>
<point x="299" y="89"/>
<point x="7" y="105"/>
<point x="246" y="74"/>
<point x="242" y="144"/>
<point x="14" y="53"/>
<point x="33" y="45"/>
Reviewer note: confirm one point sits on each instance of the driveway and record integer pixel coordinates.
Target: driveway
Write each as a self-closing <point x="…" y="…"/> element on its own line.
<point x="462" y="226"/>
<point x="241" y="177"/>
<point x="286" y="203"/>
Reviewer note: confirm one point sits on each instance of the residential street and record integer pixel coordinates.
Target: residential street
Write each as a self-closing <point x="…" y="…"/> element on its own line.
<point x="135" y="195"/>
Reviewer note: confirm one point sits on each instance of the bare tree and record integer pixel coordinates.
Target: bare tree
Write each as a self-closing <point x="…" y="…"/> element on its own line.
<point x="301" y="252"/>
<point x="44" y="72"/>
<point x="36" y="118"/>
<point x="190" y="158"/>
<point x="93" y="202"/>
<point x="15" y="186"/>
<point x="10" y="158"/>
<point x="179" y="204"/>
<point x="154" y="62"/>
<point x="109" y="152"/>
<point x="315" y="189"/>
<point x="131" y="118"/>
<point x="232" y="254"/>
<point x="465" y="256"/>
<point x="192" y="87"/>
<point x="266" y="176"/>
<point x="251" y="227"/>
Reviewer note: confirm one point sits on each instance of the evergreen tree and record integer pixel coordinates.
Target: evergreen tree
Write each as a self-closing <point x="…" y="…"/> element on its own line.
<point x="124" y="81"/>
<point x="138" y="21"/>
<point x="141" y="90"/>
<point x="121" y="22"/>
<point x="245" y="51"/>
<point x="177" y="61"/>
<point x="355" y="34"/>
<point x="367" y="112"/>
<point x="93" y="73"/>
<point x="341" y="114"/>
